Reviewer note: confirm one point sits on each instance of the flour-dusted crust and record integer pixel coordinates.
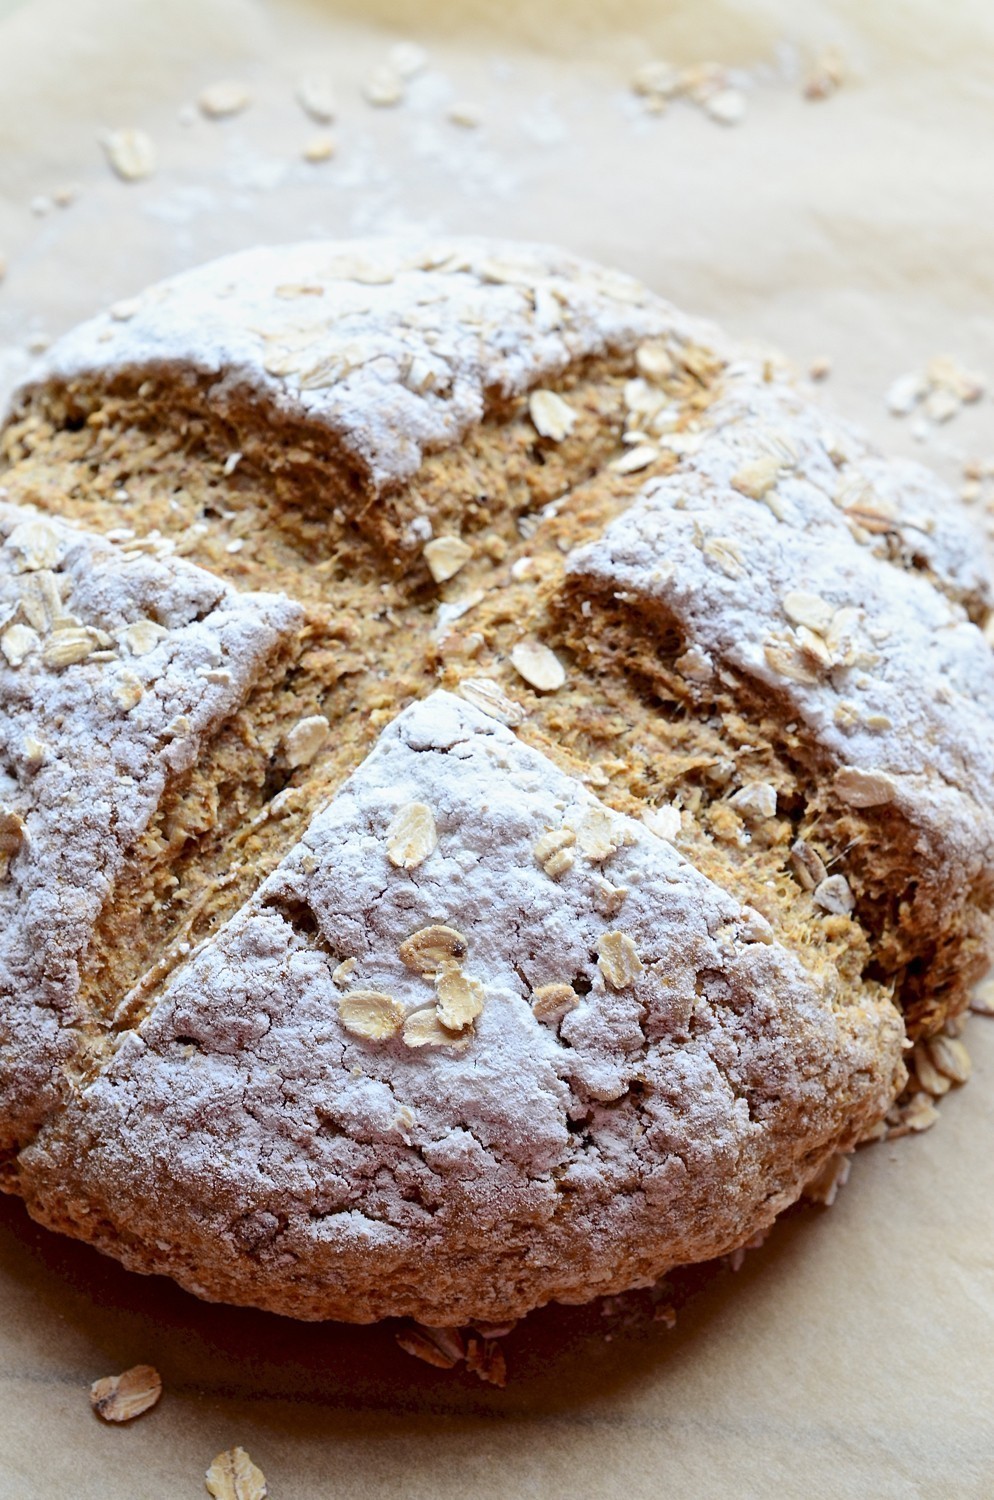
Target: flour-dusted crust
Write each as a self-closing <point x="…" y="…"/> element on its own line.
<point x="247" y="1143"/>
<point x="114" y="668"/>
<point x="840" y="585"/>
<point x="393" y="347"/>
<point x="803" y="573"/>
<point x="467" y="1036"/>
<point x="396" y="348"/>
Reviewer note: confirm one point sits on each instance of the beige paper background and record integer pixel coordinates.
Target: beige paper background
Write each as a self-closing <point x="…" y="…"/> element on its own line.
<point x="853" y="1355"/>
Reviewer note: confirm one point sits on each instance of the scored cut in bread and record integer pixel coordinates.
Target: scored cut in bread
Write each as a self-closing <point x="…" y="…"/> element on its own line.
<point x="492" y="779"/>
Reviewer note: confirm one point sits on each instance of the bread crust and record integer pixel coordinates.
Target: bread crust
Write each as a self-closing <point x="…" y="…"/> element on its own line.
<point x="670" y="1113"/>
<point x="464" y="1037"/>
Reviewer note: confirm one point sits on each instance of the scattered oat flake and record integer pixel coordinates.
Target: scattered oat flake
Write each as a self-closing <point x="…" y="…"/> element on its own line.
<point x="950" y="1057"/>
<point x="825" y="78"/>
<point x="600" y="834"/>
<point x="757" y="477"/>
<point x="636" y="459"/>
<point x="832" y="1175"/>
<point x="226" y="97"/>
<point x="550" y="1002"/>
<point x="861" y="788"/>
<point x="945" y="374"/>
<point x="467" y="116"/>
<point x="833" y="894"/>
<point x="727" y="106"/>
<point x="486" y="1359"/>
<point x="233" y="1476"/>
<point x="656" y="78"/>
<point x="754" y="928"/>
<point x="725" y="552"/>
<point x="407" y="59"/>
<point x="370" y="1014"/>
<point x="538" y="665"/>
<point x="143" y="636"/>
<point x="319" y="148"/>
<point x="458" y="998"/>
<point x="306" y="739"/>
<point x="904" y="394"/>
<point x="665" y="822"/>
<point x="803" y="608"/>
<point x="618" y="960"/>
<point x="820" y="367"/>
<point x="37" y="544"/>
<point x="757" y="799"/>
<point x="489" y="697"/>
<point x="433" y="948"/>
<point x="316" y="98"/>
<point x="12" y="836"/>
<point x="445" y="556"/>
<point x="552" y="851"/>
<point x="130" y="153"/>
<point x="412" y="836"/>
<point x="124" y="310"/>
<point x="654" y="361"/>
<point x="928" y="1075"/>
<point x="18" y="642"/>
<point x="918" y="1114"/>
<point x="68" y="647"/>
<point x="552" y="417"/>
<point x="941" y="405"/>
<point x="343" y="973"/>
<point x="35" y="751"/>
<point x="424" y="1029"/>
<point x="442" y="1347"/>
<point x="384" y="87"/>
<point x="807" y="864"/>
<point x="983" y="998"/>
<point x="120" y="1398"/>
<point x="453" y="609"/>
<point x="127" y="691"/>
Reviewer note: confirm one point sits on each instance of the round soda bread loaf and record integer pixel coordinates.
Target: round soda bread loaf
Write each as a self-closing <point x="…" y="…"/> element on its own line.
<point x="495" y="787"/>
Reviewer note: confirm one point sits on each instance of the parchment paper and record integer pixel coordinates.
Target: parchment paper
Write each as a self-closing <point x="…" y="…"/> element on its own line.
<point x="853" y="1354"/>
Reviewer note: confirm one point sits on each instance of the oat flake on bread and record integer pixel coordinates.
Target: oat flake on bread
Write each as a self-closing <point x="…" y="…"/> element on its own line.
<point x="218" y="1058"/>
